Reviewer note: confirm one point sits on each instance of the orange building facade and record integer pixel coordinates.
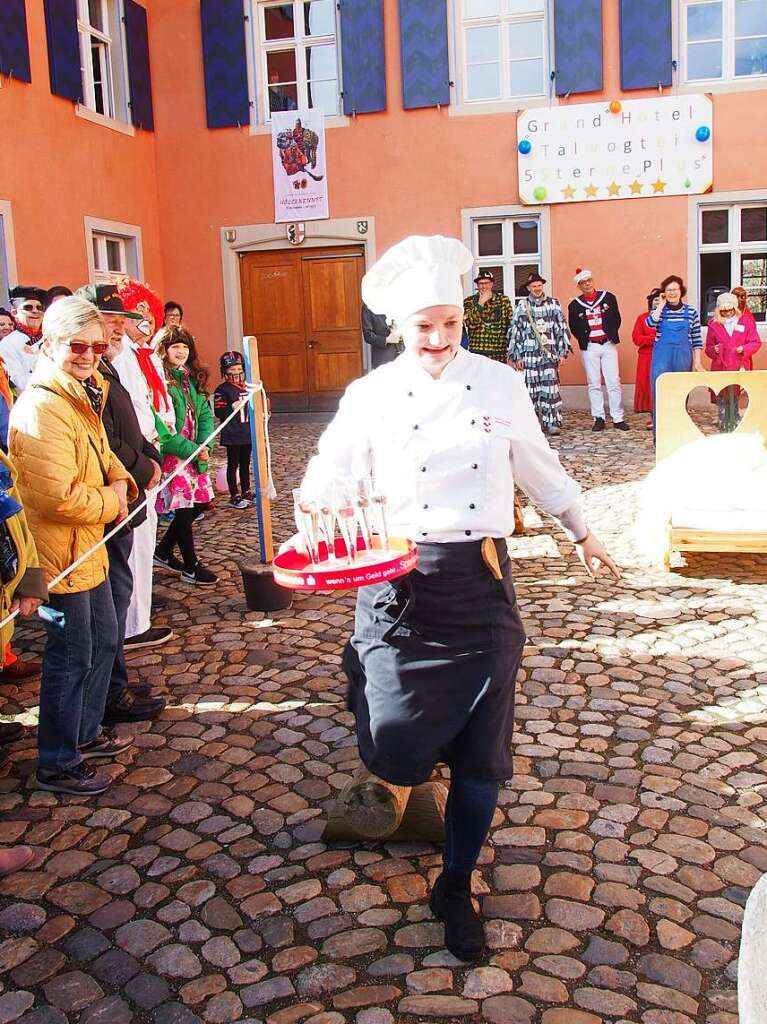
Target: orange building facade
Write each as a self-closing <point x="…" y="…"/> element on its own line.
<point x="86" y="190"/>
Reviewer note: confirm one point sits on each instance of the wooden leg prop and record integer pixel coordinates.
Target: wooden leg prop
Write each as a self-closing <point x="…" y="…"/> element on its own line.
<point x="371" y="808"/>
<point x="519" y="519"/>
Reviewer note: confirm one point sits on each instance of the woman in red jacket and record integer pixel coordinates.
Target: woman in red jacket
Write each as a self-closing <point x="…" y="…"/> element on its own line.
<point x="731" y="342"/>
<point x="644" y="338"/>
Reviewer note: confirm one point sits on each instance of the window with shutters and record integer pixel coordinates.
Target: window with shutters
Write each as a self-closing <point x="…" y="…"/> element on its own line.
<point x="296" y="51"/>
<point x="732" y="251"/>
<point x="510" y="247"/>
<point x="114" y="250"/>
<point x="502" y="49"/>
<point x="723" y="40"/>
<point x="103" y="62"/>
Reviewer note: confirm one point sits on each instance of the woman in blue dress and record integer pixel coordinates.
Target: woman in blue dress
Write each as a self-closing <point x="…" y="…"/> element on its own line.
<point x="678" y="343"/>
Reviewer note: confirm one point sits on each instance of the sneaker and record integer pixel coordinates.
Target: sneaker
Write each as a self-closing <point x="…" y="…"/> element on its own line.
<point x="152" y="637"/>
<point x="199" y="575"/>
<point x="599" y="424"/>
<point x="200" y="517"/>
<point x="237" y="502"/>
<point x="128" y="708"/>
<point x="168" y="562"/>
<point x="623" y="425"/>
<point x="248" y="495"/>
<point x="107" y="745"/>
<point x="82" y="780"/>
<point x="19" y="669"/>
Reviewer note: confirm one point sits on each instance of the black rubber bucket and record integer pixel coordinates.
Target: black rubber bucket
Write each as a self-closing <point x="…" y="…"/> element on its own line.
<point x="262" y="594"/>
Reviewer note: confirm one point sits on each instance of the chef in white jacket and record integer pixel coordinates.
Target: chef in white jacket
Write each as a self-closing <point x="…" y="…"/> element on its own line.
<point x="434" y="656"/>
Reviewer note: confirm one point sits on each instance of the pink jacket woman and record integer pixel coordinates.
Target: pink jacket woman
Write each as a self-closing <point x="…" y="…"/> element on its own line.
<point x="732" y="351"/>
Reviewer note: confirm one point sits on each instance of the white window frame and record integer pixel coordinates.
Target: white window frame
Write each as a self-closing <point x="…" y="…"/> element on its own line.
<point x="462" y="106"/>
<point x="7" y="248"/>
<point x="116" y="94"/>
<point x="472" y="218"/>
<point x="728" y="81"/>
<point x="127" y="235"/>
<point x="257" y="48"/>
<point x="734" y="202"/>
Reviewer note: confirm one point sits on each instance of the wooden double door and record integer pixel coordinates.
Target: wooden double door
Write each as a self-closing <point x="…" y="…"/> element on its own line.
<point x="304" y="307"/>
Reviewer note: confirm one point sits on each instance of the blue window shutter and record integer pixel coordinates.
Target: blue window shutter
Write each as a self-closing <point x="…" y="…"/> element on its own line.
<point x="139" y="75"/>
<point x="14" y="42"/>
<point x="423" y="49"/>
<point x="577" y="46"/>
<point x="63" y="49"/>
<point x="645" y="43"/>
<point x="362" y="56"/>
<point x="226" y="69"/>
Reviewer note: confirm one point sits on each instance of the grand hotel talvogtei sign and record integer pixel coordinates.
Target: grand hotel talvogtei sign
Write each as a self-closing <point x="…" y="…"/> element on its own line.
<point x="619" y="150"/>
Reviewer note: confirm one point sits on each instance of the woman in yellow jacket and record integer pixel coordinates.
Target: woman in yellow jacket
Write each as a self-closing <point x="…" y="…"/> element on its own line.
<point x="72" y="487"/>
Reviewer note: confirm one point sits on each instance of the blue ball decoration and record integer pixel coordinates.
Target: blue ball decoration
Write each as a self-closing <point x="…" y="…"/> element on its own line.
<point x="703" y="134"/>
<point x="525" y="147"/>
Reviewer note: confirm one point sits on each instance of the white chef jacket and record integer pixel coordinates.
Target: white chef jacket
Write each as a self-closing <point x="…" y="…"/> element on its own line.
<point x="133" y="380"/>
<point x="19" y="361"/>
<point x="446" y="452"/>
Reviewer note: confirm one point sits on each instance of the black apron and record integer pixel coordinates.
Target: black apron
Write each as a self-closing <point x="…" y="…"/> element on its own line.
<point x="432" y="668"/>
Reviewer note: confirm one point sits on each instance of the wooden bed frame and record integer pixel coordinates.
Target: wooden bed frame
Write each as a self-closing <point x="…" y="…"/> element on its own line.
<point x="675" y="429"/>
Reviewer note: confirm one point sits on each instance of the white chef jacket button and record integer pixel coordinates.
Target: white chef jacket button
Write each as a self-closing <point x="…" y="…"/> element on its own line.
<point x="474" y="465"/>
<point x="472" y="506"/>
<point x="468" y="387"/>
<point x="467" y="532"/>
<point x="423" y="469"/>
<point x="473" y="422"/>
<point x="410" y="394"/>
<point x="426" y="506"/>
<point x="415" y="426"/>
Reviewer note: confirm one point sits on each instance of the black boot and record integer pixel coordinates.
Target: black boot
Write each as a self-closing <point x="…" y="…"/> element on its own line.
<point x="451" y="903"/>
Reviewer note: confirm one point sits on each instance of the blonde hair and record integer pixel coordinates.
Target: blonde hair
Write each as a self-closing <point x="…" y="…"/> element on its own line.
<point x="67" y="317"/>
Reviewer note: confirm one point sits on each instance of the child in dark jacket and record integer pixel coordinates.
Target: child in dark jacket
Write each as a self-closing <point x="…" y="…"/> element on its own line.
<point x="235" y="436"/>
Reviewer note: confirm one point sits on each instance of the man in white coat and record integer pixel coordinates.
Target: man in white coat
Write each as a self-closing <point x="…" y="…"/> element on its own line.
<point x="20" y="348"/>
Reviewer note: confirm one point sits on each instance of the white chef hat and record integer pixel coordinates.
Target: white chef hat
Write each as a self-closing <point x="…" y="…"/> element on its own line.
<point x="416" y="273"/>
<point x="582" y="275"/>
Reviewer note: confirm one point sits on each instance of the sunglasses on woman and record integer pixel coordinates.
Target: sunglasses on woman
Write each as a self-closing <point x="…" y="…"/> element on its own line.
<point x="81" y="347"/>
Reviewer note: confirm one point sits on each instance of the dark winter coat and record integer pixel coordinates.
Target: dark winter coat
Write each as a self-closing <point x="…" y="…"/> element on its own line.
<point x="237" y="430"/>
<point x="375" y="331"/>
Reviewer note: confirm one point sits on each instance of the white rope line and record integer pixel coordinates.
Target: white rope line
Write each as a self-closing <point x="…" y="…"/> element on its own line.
<point x="252" y="389"/>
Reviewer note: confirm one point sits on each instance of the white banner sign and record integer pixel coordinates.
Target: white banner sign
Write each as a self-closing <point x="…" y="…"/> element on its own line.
<point x="629" y="148"/>
<point x="298" y="166"/>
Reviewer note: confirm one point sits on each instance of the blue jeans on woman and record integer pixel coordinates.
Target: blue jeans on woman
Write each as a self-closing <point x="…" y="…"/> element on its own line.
<point x="80" y="648"/>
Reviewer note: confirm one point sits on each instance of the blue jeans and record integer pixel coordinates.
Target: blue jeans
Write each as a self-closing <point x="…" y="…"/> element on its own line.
<point x="121" y="583"/>
<point x="471" y="804"/>
<point x="80" y="648"/>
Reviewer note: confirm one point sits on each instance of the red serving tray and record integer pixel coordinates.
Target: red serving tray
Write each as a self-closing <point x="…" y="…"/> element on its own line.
<point x="294" y="570"/>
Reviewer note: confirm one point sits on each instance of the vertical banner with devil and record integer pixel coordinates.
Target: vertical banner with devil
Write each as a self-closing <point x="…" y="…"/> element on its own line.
<point x="298" y="165"/>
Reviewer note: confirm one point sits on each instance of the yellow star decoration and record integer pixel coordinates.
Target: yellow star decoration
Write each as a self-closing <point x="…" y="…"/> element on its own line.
<point x="568" y="192"/>
<point x="636" y="188"/>
<point x="658" y="186"/>
<point x="591" y="191"/>
<point x="613" y="189"/>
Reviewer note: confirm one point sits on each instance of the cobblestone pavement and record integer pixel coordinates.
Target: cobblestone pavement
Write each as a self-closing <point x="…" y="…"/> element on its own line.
<point x="197" y="889"/>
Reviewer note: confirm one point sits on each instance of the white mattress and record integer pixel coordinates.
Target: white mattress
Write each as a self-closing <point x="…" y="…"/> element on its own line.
<point x="733" y="520"/>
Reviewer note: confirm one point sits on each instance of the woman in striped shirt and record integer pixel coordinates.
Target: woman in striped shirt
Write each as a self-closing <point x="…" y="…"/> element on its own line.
<point x="678" y="342"/>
